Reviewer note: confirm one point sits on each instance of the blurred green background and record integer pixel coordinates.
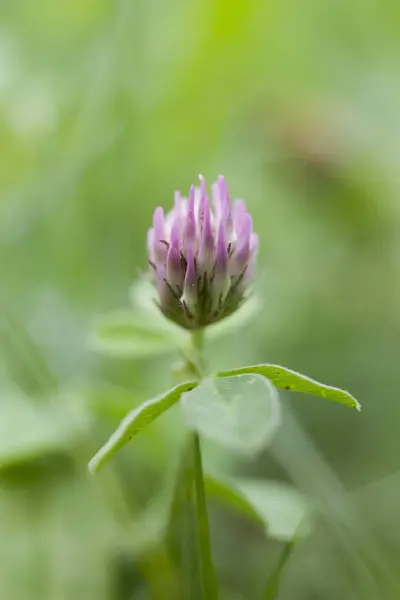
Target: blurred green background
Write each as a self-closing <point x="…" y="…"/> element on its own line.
<point x="106" y="107"/>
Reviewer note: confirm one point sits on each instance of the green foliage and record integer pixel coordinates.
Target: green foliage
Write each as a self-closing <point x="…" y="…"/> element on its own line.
<point x="29" y="431"/>
<point x="272" y="587"/>
<point x="143" y="331"/>
<point x="125" y="334"/>
<point x="186" y="527"/>
<point x="57" y="534"/>
<point x="239" y="413"/>
<point x="277" y="507"/>
<point x="136" y="420"/>
<point x="290" y="380"/>
<point x="109" y="401"/>
<point x="224" y="490"/>
<point x="106" y="108"/>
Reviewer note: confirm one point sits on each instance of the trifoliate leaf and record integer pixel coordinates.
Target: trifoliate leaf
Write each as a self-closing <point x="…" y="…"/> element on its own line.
<point x="290" y="380"/>
<point x="137" y="420"/>
<point x="240" y="413"/>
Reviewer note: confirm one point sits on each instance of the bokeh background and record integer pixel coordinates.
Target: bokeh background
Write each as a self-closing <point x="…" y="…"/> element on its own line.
<point x="106" y="107"/>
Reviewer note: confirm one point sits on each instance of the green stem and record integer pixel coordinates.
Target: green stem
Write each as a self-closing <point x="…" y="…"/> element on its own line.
<point x="197" y="339"/>
<point x="207" y="573"/>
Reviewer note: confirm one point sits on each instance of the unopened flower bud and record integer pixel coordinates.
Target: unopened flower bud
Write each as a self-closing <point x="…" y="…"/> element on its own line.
<point x="202" y="259"/>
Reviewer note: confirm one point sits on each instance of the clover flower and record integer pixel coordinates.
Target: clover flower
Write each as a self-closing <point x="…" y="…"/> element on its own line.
<point x="202" y="256"/>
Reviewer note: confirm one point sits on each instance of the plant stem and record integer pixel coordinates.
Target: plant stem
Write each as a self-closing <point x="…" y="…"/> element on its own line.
<point x="197" y="339"/>
<point x="207" y="574"/>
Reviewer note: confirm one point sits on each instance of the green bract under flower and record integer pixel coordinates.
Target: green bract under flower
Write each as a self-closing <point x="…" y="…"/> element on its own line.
<point x="202" y="258"/>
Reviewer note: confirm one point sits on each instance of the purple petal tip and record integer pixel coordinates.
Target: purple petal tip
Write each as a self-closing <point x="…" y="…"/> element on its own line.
<point x="158" y="223"/>
<point x="222" y="252"/>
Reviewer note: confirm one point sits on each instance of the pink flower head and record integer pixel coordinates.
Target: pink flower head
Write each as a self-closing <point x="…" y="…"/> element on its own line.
<point x="202" y="256"/>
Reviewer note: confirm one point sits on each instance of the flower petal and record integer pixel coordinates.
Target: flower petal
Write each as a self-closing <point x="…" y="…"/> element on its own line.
<point x="189" y="232"/>
<point x="190" y="284"/>
<point x="205" y="257"/>
<point x="239" y="210"/>
<point x="175" y="273"/>
<point x="160" y="249"/>
<point x="221" y="282"/>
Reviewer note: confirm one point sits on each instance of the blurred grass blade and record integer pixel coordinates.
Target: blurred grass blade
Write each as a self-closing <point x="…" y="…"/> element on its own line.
<point x="187" y="526"/>
<point x="208" y="580"/>
<point x="136" y="420"/>
<point x="272" y="588"/>
<point x="296" y="452"/>
<point x="23" y="357"/>
<point x="277" y="507"/>
<point x="290" y="380"/>
<point x="180" y="530"/>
